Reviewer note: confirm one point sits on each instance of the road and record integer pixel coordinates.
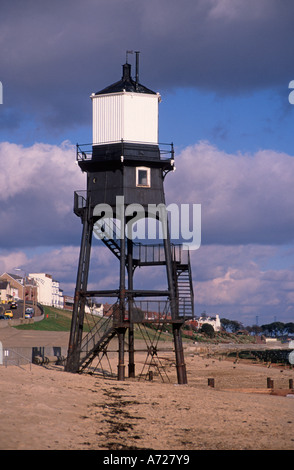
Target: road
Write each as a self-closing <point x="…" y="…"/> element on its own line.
<point x="17" y="312"/>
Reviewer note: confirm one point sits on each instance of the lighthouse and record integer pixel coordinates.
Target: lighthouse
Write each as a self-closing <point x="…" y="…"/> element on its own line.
<point x="126" y="167"/>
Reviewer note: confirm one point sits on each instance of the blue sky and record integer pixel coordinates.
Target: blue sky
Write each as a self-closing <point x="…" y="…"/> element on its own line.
<point x="222" y="68"/>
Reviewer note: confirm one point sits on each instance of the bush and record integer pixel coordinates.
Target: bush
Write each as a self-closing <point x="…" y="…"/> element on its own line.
<point x="208" y="330"/>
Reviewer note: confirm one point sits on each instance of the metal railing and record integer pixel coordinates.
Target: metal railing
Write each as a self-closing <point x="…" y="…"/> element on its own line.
<point x="80" y="201"/>
<point x="152" y="310"/>
<point x="84" y="151"/>
<point x="12" y="357"/>
<point x="100" y="327"/>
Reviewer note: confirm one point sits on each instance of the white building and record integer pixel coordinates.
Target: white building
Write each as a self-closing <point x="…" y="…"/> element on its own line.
<point x="213" y="321"/>
<point x="49" y="292"/>
<point x="95" y="309"/>
<point x="57" y="295"/>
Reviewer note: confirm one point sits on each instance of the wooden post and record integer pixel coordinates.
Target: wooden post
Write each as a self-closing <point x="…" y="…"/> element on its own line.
<point x="211" y="382"/>
<point x="270" y="383"/>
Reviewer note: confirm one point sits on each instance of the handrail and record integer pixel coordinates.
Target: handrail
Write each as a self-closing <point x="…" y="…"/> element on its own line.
<point x="102" y="324"/>
<point x="84" y="151"/>
<point x="141" y="250"/>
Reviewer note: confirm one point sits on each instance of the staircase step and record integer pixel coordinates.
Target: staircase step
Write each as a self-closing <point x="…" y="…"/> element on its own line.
<point x="99" y="346"/>
<point x="184" y="289"/>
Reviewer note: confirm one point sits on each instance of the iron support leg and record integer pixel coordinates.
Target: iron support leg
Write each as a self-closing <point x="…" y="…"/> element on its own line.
<point x="130" y="305"/>
<point x="180" y="361"/>
<point x="121" y="348"/>
<point x="73" y="356"/>
<point x="122" y="295"/>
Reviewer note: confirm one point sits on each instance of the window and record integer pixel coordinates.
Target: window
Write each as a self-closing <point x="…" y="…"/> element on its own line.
<point x="143" y="177"/>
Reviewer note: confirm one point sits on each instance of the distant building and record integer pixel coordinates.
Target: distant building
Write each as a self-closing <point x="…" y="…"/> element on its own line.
<point x="57" y="295"/>
<point x="13" y="288"/>
<point x="214" y="321"/>
<point x="17" y="287"/>
<point x="5" y="291"/>
<point x="68" y="302"/>
<point x="94" y="309"/>
<point x="49" y="292"/>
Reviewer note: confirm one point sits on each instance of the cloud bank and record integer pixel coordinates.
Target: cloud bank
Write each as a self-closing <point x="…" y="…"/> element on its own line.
<point x="245" y="198"/>
<point x="247" y="225"/>
<point x="225" y="66"/>
<point x="37" y="185"/>
<point x="51" y="54"/>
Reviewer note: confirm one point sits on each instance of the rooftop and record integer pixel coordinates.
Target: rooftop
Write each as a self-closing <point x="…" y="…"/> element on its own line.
<point x="126" y="84"/>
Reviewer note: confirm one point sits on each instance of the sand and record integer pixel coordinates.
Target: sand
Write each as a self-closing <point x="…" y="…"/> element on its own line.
<point x="45" y="408"/>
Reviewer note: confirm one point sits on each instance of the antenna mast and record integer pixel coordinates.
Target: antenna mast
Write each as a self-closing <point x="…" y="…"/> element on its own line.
<point x="137" y="68"/>
<point x="137" y="64"/>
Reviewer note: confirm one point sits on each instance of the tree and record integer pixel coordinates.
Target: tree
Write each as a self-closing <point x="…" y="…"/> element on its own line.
<point x="225" y="323"/>
<point x="274" y="329"/>
<point x="208" y="330"/>
<point x="267" y="329"/>
<point x="254" y="329"/>
<point x="231" y="325"/>
<point x="278" y="328"/>
<point x="289" y="327"/>
<point x="235" y="326"/>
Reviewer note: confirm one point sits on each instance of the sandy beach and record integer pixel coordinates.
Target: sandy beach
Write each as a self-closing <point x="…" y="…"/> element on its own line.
<point x="45" y="408"/>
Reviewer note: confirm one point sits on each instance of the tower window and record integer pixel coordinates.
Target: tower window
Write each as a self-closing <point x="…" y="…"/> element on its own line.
<point x="143" y="177"/>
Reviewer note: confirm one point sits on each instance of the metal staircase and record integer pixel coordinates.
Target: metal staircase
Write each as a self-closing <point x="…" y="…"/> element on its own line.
<point x="104" y="232"/>
<point x="184" y="290"/>
<point x="151" y="255"/>
<point x="99" y="347"/>
<point x="98" y="338"/>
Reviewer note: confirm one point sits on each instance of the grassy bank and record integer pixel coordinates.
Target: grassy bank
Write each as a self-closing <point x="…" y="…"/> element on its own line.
<point x="54" y="320"/>
<point x="219" y="337"/>
<point x="60" y="320"/>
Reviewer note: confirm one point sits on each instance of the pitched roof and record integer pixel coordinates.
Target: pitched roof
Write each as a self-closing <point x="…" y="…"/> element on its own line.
<point x="126" y="84"/>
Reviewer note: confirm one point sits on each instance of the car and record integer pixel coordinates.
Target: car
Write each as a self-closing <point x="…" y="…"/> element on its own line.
<point x="2" y="317"/>
<point x="9" y="314"/>
<point x="13" y="305"/>
<point x="29" y="312"/>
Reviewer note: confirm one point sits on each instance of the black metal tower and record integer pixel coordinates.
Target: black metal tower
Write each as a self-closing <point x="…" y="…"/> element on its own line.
<point x="125" y="169"/>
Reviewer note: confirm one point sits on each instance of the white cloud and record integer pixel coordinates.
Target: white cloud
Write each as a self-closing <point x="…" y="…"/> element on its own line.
<point x="232" y="281"/>
<point x="245" y="198"/>
<point x="11" y="260"/>
<point x="37" y="185"/>
<point x="239" y="10"/>
<point x="49" y="168"/>
<point x="236" y="282"/>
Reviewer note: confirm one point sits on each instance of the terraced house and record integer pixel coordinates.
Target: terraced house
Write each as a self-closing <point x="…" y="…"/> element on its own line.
<point x="49" y="292"/>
